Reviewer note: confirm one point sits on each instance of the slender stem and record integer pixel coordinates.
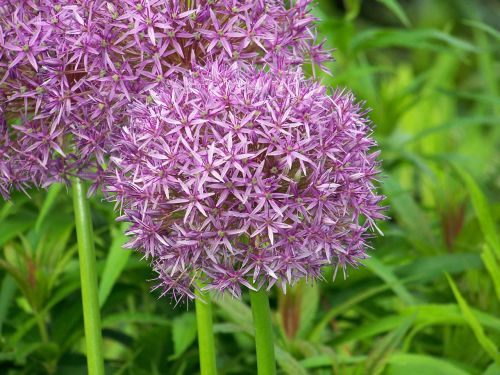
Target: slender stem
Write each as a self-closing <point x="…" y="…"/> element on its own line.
<point x="42" y="327"/>
<point x="206" y="342"/>
<point x="88" y="276"/>
<point x="264" y="343"/>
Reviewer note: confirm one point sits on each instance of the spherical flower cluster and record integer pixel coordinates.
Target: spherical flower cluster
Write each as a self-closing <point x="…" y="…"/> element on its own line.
<point x="240" y="176"/>
<point x="68" y="68"/>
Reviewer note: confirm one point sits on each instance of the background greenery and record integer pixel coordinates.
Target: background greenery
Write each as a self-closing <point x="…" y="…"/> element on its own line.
<point x="427" y="302"/>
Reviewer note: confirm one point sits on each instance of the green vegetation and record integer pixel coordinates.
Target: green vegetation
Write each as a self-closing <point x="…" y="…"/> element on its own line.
<point x="428" y="302"/>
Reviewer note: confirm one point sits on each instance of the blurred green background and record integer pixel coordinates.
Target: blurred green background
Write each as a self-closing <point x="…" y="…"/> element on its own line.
<point x="427" y="302"/>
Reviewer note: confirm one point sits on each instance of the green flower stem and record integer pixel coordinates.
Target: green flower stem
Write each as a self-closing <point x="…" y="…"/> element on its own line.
<point x="206" y="342"/>
<point x="264" y="342"/>
<point x="88" y="276"/>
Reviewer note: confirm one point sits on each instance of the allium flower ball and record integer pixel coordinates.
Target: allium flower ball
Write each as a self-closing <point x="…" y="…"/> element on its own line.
<point x="68" y="68"/>
<point x="237" y="176"/>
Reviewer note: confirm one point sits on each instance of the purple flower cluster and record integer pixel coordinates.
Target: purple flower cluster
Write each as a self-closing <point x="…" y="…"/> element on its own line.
<point x="240" y="176"/>
<point x="232" y="168"/>
<point x="69" y="68"/>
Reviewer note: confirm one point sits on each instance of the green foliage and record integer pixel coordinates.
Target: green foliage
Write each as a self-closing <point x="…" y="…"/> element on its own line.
<point x="430" y="72"/>
<point x="487" y="344"/>
<point x="115" y="263"/>
<point x="183" y="333"/>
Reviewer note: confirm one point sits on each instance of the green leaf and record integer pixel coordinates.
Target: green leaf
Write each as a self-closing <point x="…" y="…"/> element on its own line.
<point x="410" y="216"/>
<point x="417" y="364"/>
<point x="68" y="287"/>
<point x="115" y="263"/>
<point x="288" y="363"/>
<point x="386" y="274"/>
<point x="352" y="9"/>
<point x="328" y="361"/>
<point x="398" y="11"/>
<point x="7" y="294"/>
<point x="236" y="311"/>
<point x="463" y="122"/>
<point x="428" y="268"/>
<point x="413" y="39"/>
<point x="472" y="95"/>
<point x="315" y="334"/>
<point x="371" y="329"/>
<point x="487" y="344"/>
<point x="493" y="369"/>
<point x="15" y="226"/>
<point x="228" y="328"/>
<point x="47" y="205"/>
<point x="449" y="314"/>
<point x="6" y="210"/>
<point x="482" y="209"/>
<point x="183" y="333"/>
<point x="309" y="303"/>
<point x="433" y="314"/>
<point x="493" y="267"/>
<point x="134" y="317"/>
<point x="377" y="359"/>
<point x="445" y="314"/>
<point x="484" y="27"/>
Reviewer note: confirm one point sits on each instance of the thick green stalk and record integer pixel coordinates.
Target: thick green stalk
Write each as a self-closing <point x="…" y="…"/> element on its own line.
<point x="88" y="276"/>
<point x="264" y="342"/>
<point x="206" y="342"/>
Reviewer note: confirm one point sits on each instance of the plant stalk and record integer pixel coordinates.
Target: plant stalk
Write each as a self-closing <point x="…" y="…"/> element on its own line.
<point x="88" y="276"/>
<point x="206" y="340"/>
<point x="264" y="341"/>
<point x="42" y="327"/>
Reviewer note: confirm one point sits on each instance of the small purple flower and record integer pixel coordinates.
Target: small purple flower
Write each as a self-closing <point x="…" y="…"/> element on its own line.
<point x="239" y="176"/>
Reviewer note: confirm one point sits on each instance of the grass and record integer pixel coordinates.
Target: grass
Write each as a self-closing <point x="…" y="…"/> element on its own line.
<point x="428" y="302"/>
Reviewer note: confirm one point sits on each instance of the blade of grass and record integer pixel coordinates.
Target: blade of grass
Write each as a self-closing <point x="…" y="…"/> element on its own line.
<point x="134" y="317"/>
<point x="327" y="361"/>
<point x="288" y="363"/>
<point x="50" y="199"/>
<point x="386" y="274"/>
<point x="15" y="226"/>
<point x="418" y="364"/>
<point x="353" y="8"/>
<point x="493" y="369"/>
<point x="429" y="268"/>
<point x="237" y="311"/>
<point x="7" y="207"/>
<point x="316" y="332"/>
<point x="377" y="359"/>
<point x="411" y="216"/>
<point x="183" y="333"/>
<point x="115" y="263"/>
<point x="483" y="27"/>
<point x="485" y="342"/>
<point x="456" y="123"/>
<point x="413" y="39"/>
<point x="309" y="304"/>
<point x="482" y="209"/>
<point x="398" y="11"/>
<point x="424" y="314"/>
<point x="7" y="294"/>
<point x="493" y="267"/>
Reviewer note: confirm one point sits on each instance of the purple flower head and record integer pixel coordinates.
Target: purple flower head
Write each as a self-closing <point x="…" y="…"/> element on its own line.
<point x="69" y="68"/>
<point x="240" y="176"/>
